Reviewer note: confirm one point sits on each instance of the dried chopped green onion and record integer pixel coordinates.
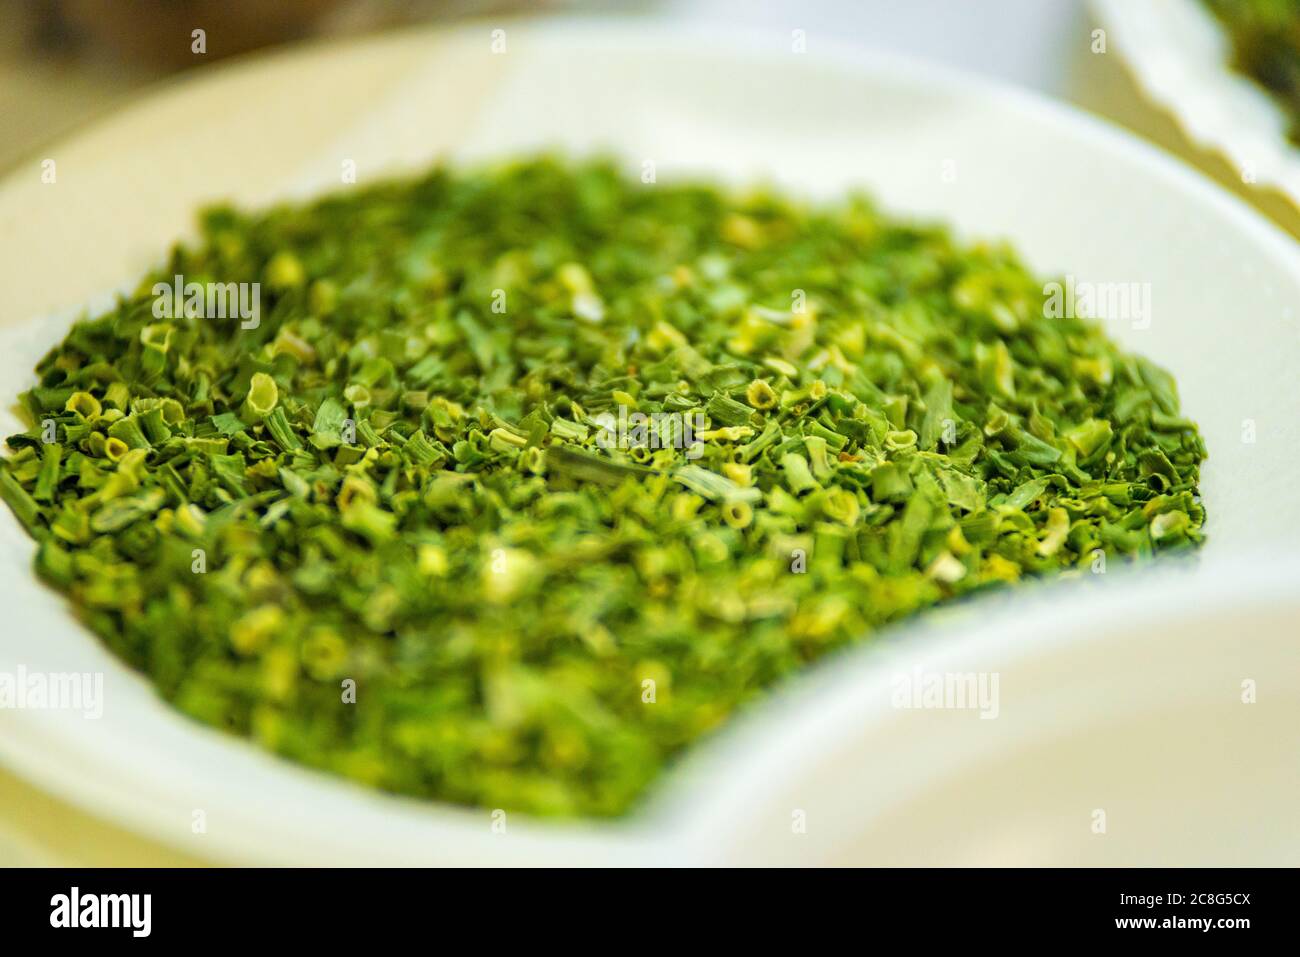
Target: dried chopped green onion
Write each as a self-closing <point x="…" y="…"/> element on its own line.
<point x="1265" y="38"/>
<point x="507" y="518"/>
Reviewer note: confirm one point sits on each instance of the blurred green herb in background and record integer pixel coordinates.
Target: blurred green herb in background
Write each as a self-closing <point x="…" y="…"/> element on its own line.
<point x="1265" y="38"/>
<point x="396" y="478"/>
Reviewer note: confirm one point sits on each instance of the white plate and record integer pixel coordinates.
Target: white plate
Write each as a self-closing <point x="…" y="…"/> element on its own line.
<point x="1181" y="57"/>
<point x="1120" y="693"/>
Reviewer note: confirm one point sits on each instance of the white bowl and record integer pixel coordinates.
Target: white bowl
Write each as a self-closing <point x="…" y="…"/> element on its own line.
<point x="1119" y="693"/>
<point x="1181" y="57"/>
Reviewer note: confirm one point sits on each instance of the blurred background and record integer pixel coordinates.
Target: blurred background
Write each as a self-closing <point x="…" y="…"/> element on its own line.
<point x="64" y="63"/>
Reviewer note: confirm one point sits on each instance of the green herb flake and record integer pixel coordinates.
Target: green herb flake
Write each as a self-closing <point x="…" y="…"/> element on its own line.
<point x="531" y="476"/>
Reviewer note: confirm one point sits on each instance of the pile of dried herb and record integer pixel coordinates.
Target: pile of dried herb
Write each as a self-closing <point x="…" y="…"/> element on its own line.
<point x="1265" y="38"/>
<point x="447" y="473"/>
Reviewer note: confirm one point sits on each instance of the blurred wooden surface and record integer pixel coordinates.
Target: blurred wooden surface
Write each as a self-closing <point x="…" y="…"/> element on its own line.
<point x="39" y="831"/>
<point x="65" y="63"/>
<point x="43" y="98"/>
